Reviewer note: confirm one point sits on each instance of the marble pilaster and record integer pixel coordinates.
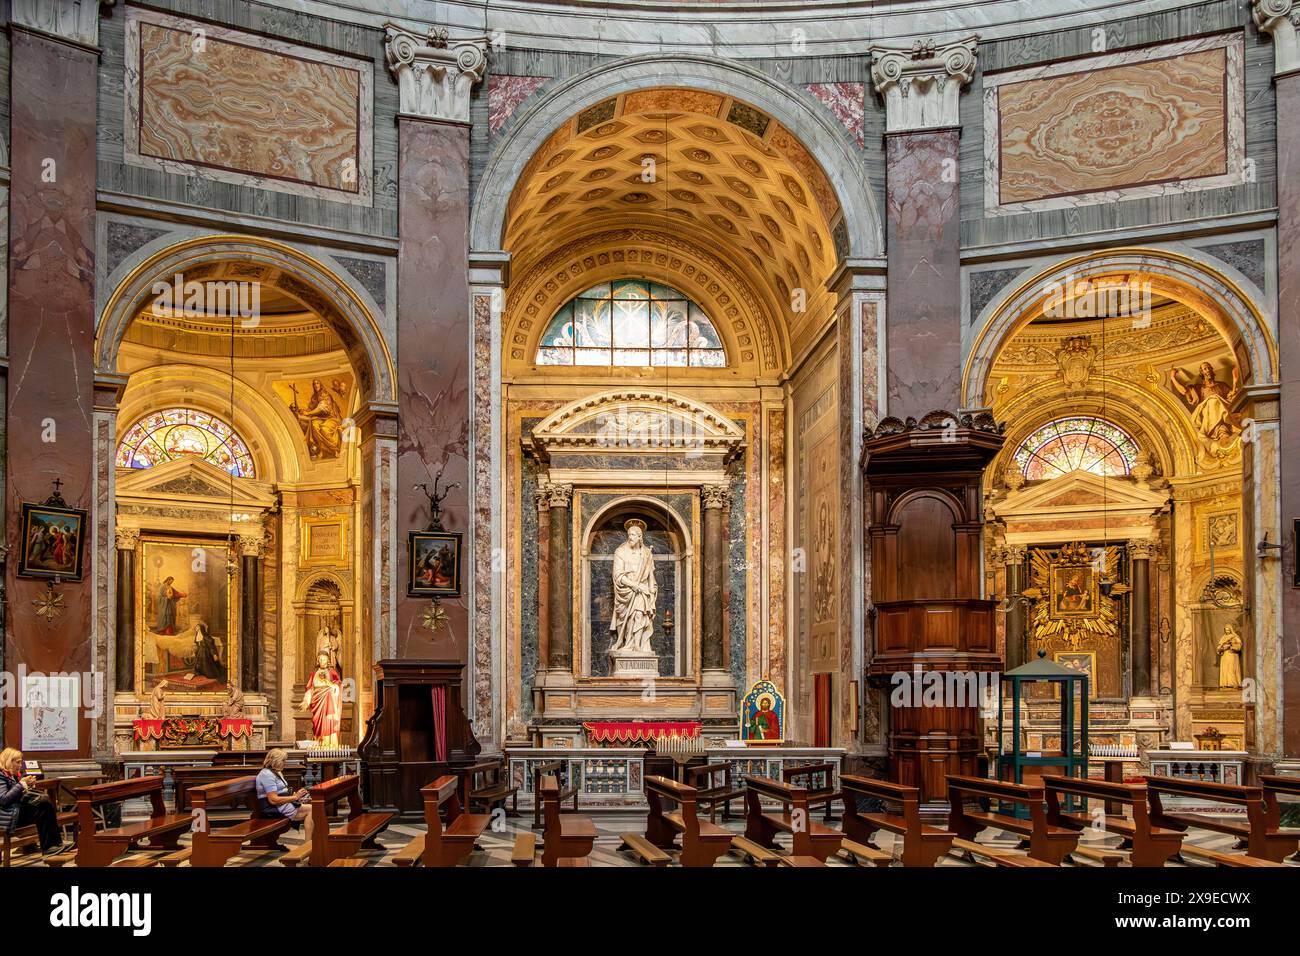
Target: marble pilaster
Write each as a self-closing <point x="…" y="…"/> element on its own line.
<point x="434" y="331"/>
<point x="713" y="650"/>
<point x="50" y="382"/>
<point x="1281" y="20"/>
<point x="1142" y="552"/>
<point x="920" y="86"/>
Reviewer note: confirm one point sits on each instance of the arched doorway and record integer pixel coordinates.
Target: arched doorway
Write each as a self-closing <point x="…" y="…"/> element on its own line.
<point x="244" y="438"/>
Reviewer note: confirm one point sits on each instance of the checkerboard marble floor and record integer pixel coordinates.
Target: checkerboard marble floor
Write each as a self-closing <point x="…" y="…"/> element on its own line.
<point x="496" y="846"/>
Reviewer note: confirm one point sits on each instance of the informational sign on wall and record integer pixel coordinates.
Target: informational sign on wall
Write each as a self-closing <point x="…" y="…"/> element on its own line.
<point x="50" y="707"/>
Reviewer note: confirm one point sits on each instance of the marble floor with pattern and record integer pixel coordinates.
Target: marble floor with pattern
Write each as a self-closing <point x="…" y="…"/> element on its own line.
<point x="495" y="846"/>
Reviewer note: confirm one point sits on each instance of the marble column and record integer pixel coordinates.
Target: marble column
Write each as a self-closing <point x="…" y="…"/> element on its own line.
<point x="713" y="559"/>
<point x="1013" y="556"/>
<point x="434" y="76"/>
<point x="250" y="613"/>
<point x="1281" y="20"/>
<point x="559" y="581"/>
<point x="542" y="497"/>
<point x="1142" y="553"/>
<point x="920" y="85"/>
<point x="126" y="541"/>
<point x="49" y="389"/>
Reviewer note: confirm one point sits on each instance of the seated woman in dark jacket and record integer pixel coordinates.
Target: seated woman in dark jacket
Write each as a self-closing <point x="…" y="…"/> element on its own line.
<point x="22" y="806"/>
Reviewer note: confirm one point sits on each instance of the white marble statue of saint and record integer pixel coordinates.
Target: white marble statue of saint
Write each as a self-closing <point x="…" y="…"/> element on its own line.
<point x="1230" y="646"/>
<point x="635" y="593"/>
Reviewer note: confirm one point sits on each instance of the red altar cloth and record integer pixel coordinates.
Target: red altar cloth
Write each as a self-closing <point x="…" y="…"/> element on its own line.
<point x="639" y="731"/>
<point x="145" y="729"/>
<point x="236" y="727"/>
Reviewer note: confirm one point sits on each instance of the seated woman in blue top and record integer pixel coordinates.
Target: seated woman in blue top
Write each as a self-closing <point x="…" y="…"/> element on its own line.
<point x="276" y="797"/>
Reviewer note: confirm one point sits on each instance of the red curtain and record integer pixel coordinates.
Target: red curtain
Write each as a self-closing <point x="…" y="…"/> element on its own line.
<point x="439" y="722"/>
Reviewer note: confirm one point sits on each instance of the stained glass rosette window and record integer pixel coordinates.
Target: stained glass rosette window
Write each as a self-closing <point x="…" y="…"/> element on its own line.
<point x="1081" y="443"/>
<point x="184" y="433"/>
<point x="631" y="323"/>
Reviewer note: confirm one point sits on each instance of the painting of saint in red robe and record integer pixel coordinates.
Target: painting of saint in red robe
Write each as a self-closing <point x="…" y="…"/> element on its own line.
<point x="762" y="714"/>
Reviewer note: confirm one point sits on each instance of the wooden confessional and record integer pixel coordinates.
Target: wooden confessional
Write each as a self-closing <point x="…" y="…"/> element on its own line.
<point x="417" y="733"/>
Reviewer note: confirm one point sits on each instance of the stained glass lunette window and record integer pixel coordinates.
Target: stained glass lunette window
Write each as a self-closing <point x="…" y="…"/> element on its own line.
<point x="1079" y="443"/>
<point x="174" y="433"/>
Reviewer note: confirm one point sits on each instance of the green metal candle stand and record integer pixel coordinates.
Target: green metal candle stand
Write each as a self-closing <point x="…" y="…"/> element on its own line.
<point x="1073" y="758"/>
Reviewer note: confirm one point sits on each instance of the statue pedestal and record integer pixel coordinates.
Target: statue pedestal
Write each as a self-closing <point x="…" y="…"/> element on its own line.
<point x="633" y="664"/>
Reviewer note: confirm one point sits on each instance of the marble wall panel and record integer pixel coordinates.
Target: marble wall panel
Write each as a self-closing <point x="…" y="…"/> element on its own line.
<point x="505" y="94"/>
<point x="1142" y="122"/>
<point x="222" y="104"/>
<point x="50" y="382"/>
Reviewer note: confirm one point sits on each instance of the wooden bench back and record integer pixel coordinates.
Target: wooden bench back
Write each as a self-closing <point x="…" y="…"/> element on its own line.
<point x="212" y="794"/>
<point x="707" y="772"/>
<point x="1274" y="786"/>
<point x="444" y="790"/>
<point x="98" y="794"/>
<point x="1020" y="793"/>
<point x="1225" y="792"/>
<point x="549" y="794"/>
<point x="656" y="787"/>
<point x="325" y="795"/>
<point x="814" y="771"/>
<point x="796" y="798"/>
<point x="1133" y="795"/>
<point x="908" y="798"/>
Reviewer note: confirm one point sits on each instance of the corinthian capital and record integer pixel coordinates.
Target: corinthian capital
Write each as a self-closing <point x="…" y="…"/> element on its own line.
<point x="558" y="494"/>
<point x="1281" y="20"/>
<point x="715" y="496"/>
<point x="434" y="74"/>
<point x="126" y="538"/>
<point x="252" y="545"/>
<point x="921" y="83"/>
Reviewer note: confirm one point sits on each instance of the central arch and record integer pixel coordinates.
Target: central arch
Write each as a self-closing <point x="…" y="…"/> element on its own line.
<point x="824" y="140"/>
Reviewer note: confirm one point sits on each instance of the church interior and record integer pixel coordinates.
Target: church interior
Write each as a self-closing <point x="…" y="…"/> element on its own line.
<point x="672" y="435"/>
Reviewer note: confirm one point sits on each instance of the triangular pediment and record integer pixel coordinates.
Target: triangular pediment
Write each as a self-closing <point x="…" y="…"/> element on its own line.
<point x="1082" y="492"/>
<point x="193" y="480"/>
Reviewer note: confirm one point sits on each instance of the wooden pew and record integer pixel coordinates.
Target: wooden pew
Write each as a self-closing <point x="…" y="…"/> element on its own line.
<point x="710" y="790"/>
<point x="566" y="793"/>
<point x="162" y="830"/>
<point x="1260" y="843"/>
<point x="213" y="846"/>
<point x="808" y="838"/>
<point x="1152" y="846"/>
<point x="485" y="785"/>
<point x="185" y="779"/>
<point x="359" y="829"/>
<point x="443" y="846"/>
<point x="820" y="784"/>
<point x="998" y="856"/>
<point x="1048" y="843"/>
<point x="566" y="834"/>
<point x="1274" y="788"/>
<point x="702" y="842"/>
<point x="922" y="845"/>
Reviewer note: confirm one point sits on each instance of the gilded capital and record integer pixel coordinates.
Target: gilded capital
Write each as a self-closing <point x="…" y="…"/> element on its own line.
<point x="558" y="494"/>
<point x="921" y="83"/>
<point x="126" y="538"/>
<point x="434" y="73"/>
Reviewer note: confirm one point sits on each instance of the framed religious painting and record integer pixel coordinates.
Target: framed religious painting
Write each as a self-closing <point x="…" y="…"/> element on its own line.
<point x="434" y="559"/>
<point x="52" y="542"/>
<point x="185" y="614"/>
<point x="762" y="715"/>
<point x="1073" y="591"/>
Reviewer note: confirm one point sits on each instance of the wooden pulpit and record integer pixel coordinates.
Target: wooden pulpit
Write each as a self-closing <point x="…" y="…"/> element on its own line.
<point x="417" y="733"/>
<point x="925" y="488"/>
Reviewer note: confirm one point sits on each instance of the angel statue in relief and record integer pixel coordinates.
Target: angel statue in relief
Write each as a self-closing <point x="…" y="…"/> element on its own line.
<point x="635" y="592"/>
<point x="1230" y="646"/>
<point x="1210" y="401"/>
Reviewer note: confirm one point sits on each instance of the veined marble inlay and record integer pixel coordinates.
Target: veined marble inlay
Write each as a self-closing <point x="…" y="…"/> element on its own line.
<point x="1138" y="123"/>
<point x="206" y="101"/>
<point x="848" y="102"/>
